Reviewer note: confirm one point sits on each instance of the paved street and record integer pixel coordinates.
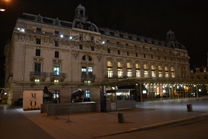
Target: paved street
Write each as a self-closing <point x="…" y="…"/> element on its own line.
<point x="151" y="119"/>
<point x="191" y="129"/>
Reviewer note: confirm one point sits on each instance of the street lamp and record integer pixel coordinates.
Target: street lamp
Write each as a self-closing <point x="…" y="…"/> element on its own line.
<point x="2" y="5"/>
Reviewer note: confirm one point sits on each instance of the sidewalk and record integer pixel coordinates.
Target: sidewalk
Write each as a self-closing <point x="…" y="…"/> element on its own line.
<point x="95" y="125"/>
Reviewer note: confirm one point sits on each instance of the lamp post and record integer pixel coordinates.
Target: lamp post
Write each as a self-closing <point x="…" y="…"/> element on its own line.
<point x="3" y="5"/>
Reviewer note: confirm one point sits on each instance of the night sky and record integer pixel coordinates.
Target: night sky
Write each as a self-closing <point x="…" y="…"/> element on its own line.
<point x="188" y="19"/>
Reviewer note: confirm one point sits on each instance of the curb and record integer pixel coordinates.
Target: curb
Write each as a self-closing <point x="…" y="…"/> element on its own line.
<point x="154" y="126"/>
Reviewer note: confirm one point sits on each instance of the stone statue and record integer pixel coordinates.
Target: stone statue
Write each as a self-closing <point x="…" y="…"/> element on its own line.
<point x="49" y="94"/>
<point x="78" y="93"/>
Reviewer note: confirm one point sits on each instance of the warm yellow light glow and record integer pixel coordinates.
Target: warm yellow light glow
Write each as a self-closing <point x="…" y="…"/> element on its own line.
<point x="2" y="10"/>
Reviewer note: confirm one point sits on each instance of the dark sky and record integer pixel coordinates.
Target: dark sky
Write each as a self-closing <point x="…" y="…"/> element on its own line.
<point x="188" y="19"/>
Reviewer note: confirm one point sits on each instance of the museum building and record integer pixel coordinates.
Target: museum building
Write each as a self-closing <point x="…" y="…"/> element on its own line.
<point x="66" y="56"/>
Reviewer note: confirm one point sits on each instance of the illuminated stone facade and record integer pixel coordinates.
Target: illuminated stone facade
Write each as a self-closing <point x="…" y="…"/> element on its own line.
<point x="66" y="56"/>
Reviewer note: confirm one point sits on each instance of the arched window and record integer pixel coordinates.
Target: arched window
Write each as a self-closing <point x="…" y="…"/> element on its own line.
<point x="84" y="57"/>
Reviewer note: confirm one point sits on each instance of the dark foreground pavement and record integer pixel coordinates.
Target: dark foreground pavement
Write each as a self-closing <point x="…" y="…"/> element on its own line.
<point x="14" y="125"/>
<point x="146" y="119"/>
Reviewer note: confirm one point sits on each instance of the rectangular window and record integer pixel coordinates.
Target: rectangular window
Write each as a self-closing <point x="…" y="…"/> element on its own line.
<point x="56" y="32"/>
<point x="160" y="73"/>
<point x="127" y="53"/>
<point x="56" y="43"/>
<point x="110" y="72"/>
<point x="84" y="72"/>
<point x="56" y="54"/>
<point x="37" y="68"/>
<point x="129" y="73"/>
<point x="80" y="46"/>
<point x="119" y="52"/>
<point x="145" y="73"/>
<point x="38" y="41"/>
<point x="166" y="74"/>
<point x="90" y="71"/>
<point x="38" y="29"/>
<point x="136" y="54"/>
<point x="92" y="48"/>
<point x="56" y="94"/>
<point x="138" y="73"/>
<point x="120" y="73"/>
<point x="108" y="50"/>
<point x="37" y="53"/>
<point x="87" y="94"/>
<point x="153" y="73"/>
<point x="56" y="70"/>
<point x="144" y="56"/>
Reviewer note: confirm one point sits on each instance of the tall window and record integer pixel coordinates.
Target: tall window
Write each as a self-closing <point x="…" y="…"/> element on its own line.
<point x="56" y="54"/>
<point x="37" y="68"/>
<point x="92" y="48"/>
<point x="120" y="70"/>
<point x="108" y="50"/>
<point x="160" y="71"/>
<point x="153" y="71"/>
<point x="172" y="69"/>
<point x="80" y="46"/>
<point x="129" y="69"/>
<point x="37" y="52"/>
<point x="38" y="41"/>
<point x="138" y="74"/>
<point x="90" y="71"/>
<point x="87" y="92"/>
<point x="110" y="72"/>
<point x="84" y="72"/>
<point x="166" y="72"/>
<point x="56" y="43"/>
<point x="145" y="70"/>
<point x="56" y="69"/>
<point x="56" y="94"/>
<point x="109" y="69"/>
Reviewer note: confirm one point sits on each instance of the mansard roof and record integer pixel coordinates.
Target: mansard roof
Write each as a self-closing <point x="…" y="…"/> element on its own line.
<point x="80" y="21"/>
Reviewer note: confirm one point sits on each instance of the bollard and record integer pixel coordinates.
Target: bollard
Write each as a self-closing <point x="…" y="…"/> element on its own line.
<point x="189" y="108"/>
<point x="120" y="118"/>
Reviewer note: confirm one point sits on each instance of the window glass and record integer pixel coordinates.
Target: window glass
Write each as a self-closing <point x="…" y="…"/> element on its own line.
<point x="87" y="93"/>
<point x="37" y="53"/>
<point x="56" y="70"/>
<point x="56" y="54"/>
<point x="37" y="68"/>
